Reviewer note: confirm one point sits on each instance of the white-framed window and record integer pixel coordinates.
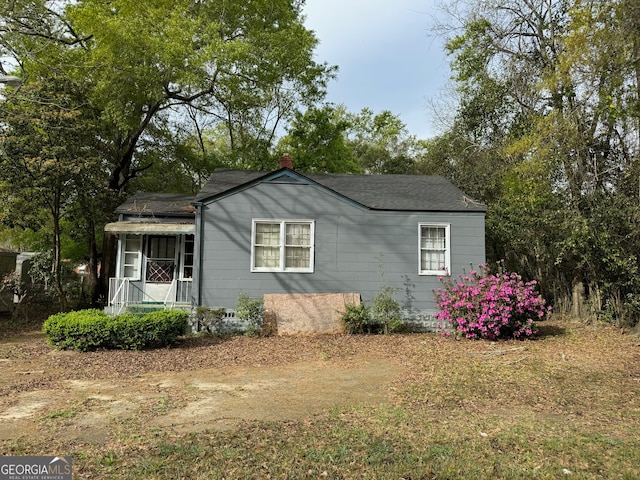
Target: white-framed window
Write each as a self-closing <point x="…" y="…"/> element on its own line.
<point x="187" y="257"/>
<point x="282" y="245"/>
<point x="434" y="249"/>
<point x="131" y="255"/>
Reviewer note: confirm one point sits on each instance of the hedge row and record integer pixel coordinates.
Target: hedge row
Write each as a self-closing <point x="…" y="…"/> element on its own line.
<point x="91" y="329"/>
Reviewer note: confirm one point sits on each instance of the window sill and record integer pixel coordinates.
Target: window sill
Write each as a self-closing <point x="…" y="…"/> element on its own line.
<point x="276" y="270"/>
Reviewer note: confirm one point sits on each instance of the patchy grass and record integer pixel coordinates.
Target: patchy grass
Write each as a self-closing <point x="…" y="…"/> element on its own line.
<point x="565" y="405"/>
<point x="58" y="414"/>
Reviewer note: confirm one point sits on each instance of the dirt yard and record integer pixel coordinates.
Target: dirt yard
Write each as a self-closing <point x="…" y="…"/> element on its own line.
<point x="348" y="406"/>
<point x="203" y="383"/>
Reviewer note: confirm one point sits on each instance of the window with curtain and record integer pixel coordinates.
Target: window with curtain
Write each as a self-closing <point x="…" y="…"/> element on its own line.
<point x="434" y="249"/>
<point x="282" y="246"/>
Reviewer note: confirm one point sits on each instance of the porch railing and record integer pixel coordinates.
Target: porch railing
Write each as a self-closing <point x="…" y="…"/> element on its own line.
<point x="123" y="293"/>
<point x="119" y="289"/>
<point x="179" y="293"/>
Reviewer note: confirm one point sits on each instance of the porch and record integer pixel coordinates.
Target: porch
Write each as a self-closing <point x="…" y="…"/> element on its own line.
<point x="127" y="295"/>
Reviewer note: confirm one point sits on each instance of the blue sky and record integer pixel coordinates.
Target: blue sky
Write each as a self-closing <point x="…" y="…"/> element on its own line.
<point x="387" y="56"/>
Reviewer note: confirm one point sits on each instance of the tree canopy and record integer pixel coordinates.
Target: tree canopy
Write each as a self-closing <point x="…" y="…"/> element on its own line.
<point x="547" y="134"/>
<point x="155" y="94"/>
<point x="147" y="70"/>
<point x="331" y="139"/>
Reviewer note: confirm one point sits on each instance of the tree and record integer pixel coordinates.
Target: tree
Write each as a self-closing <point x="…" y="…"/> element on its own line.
<point x="381" y="143"/>
<point x="45" y="157"/>
<point x="144" y="65"/>
<point x="549" y="91"/>
<point x="317" y="141"/>
<point x="227" y="60"/>
<point x="330" y="139"/>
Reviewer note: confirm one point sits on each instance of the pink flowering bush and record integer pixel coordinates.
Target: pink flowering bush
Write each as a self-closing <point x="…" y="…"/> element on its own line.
<point x="492" y="306"/>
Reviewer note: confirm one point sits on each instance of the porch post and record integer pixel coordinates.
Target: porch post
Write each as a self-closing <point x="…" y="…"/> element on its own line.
<point x="118" y="255"/>
<point x="197" y="257"/>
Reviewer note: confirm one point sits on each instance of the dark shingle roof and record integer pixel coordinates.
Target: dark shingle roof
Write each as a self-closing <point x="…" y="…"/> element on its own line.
<point x="223" y="179"/>
<point x="163" y="204"/>
<point x="378" y="192"/>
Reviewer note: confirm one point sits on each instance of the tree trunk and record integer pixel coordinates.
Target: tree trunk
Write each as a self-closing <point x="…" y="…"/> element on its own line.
<point x="108" y="265"/>
<point x="56" y="267"/>
<point x="92" y="263"/>
<point x="577" y="297"/>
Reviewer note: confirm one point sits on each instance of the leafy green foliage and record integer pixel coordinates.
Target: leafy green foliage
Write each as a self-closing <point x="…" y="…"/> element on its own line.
<point x="44" y="161"/>
<point x="546" y="134"/>
<point x="86" y="330"/>
<point x="356" y="318"/>
<point x="247" y="66"/>
<point x="381" y="143"/>
<point x="386" y="311"/>
<point x="330" y="139"/>
<point x="127" y="332"/>
<point x="384" y="316"/>
<point x="155" y="329"/>
<point x="317" y="142"/>
<point x="82" y="330"/>
<point x="250" y="311"/>
<point x="126" y="89"/>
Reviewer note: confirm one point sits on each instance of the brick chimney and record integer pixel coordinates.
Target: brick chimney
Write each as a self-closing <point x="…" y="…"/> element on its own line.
<point x="286" y="161"/>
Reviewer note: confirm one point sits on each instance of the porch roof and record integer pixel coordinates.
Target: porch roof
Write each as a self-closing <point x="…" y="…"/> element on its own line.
<point x="154" y="204"/>
<point x="167" y="228"/>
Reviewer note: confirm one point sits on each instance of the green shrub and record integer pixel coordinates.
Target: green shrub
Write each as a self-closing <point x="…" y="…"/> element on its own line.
<point x="166" y="326"/>
<point x="383" y="317"/>
<point x="82" y="330"/>
<point x="386" y="311"/>
<point x="128" y="332"/>
<point x="356" y="318"/>
<point x="250" y="311"/>
<point x="86" y="330"/>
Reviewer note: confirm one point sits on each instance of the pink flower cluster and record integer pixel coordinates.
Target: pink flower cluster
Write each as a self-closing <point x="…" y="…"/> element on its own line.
<point x="483" y="305"/>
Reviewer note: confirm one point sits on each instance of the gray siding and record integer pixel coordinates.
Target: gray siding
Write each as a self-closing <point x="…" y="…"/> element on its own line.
<point x="353" y="245"/>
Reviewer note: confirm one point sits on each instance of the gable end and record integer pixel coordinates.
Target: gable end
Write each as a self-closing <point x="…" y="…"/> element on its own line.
<point x="287" y="177"/>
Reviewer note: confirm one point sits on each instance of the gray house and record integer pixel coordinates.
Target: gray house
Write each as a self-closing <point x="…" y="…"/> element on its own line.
<point x="297" y="235"/>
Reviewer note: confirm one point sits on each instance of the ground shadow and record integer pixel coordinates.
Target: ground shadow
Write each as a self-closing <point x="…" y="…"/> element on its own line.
<point x="546" y="330"/>
<point x="11" y="326"/>
<point x="190" y="341"/>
